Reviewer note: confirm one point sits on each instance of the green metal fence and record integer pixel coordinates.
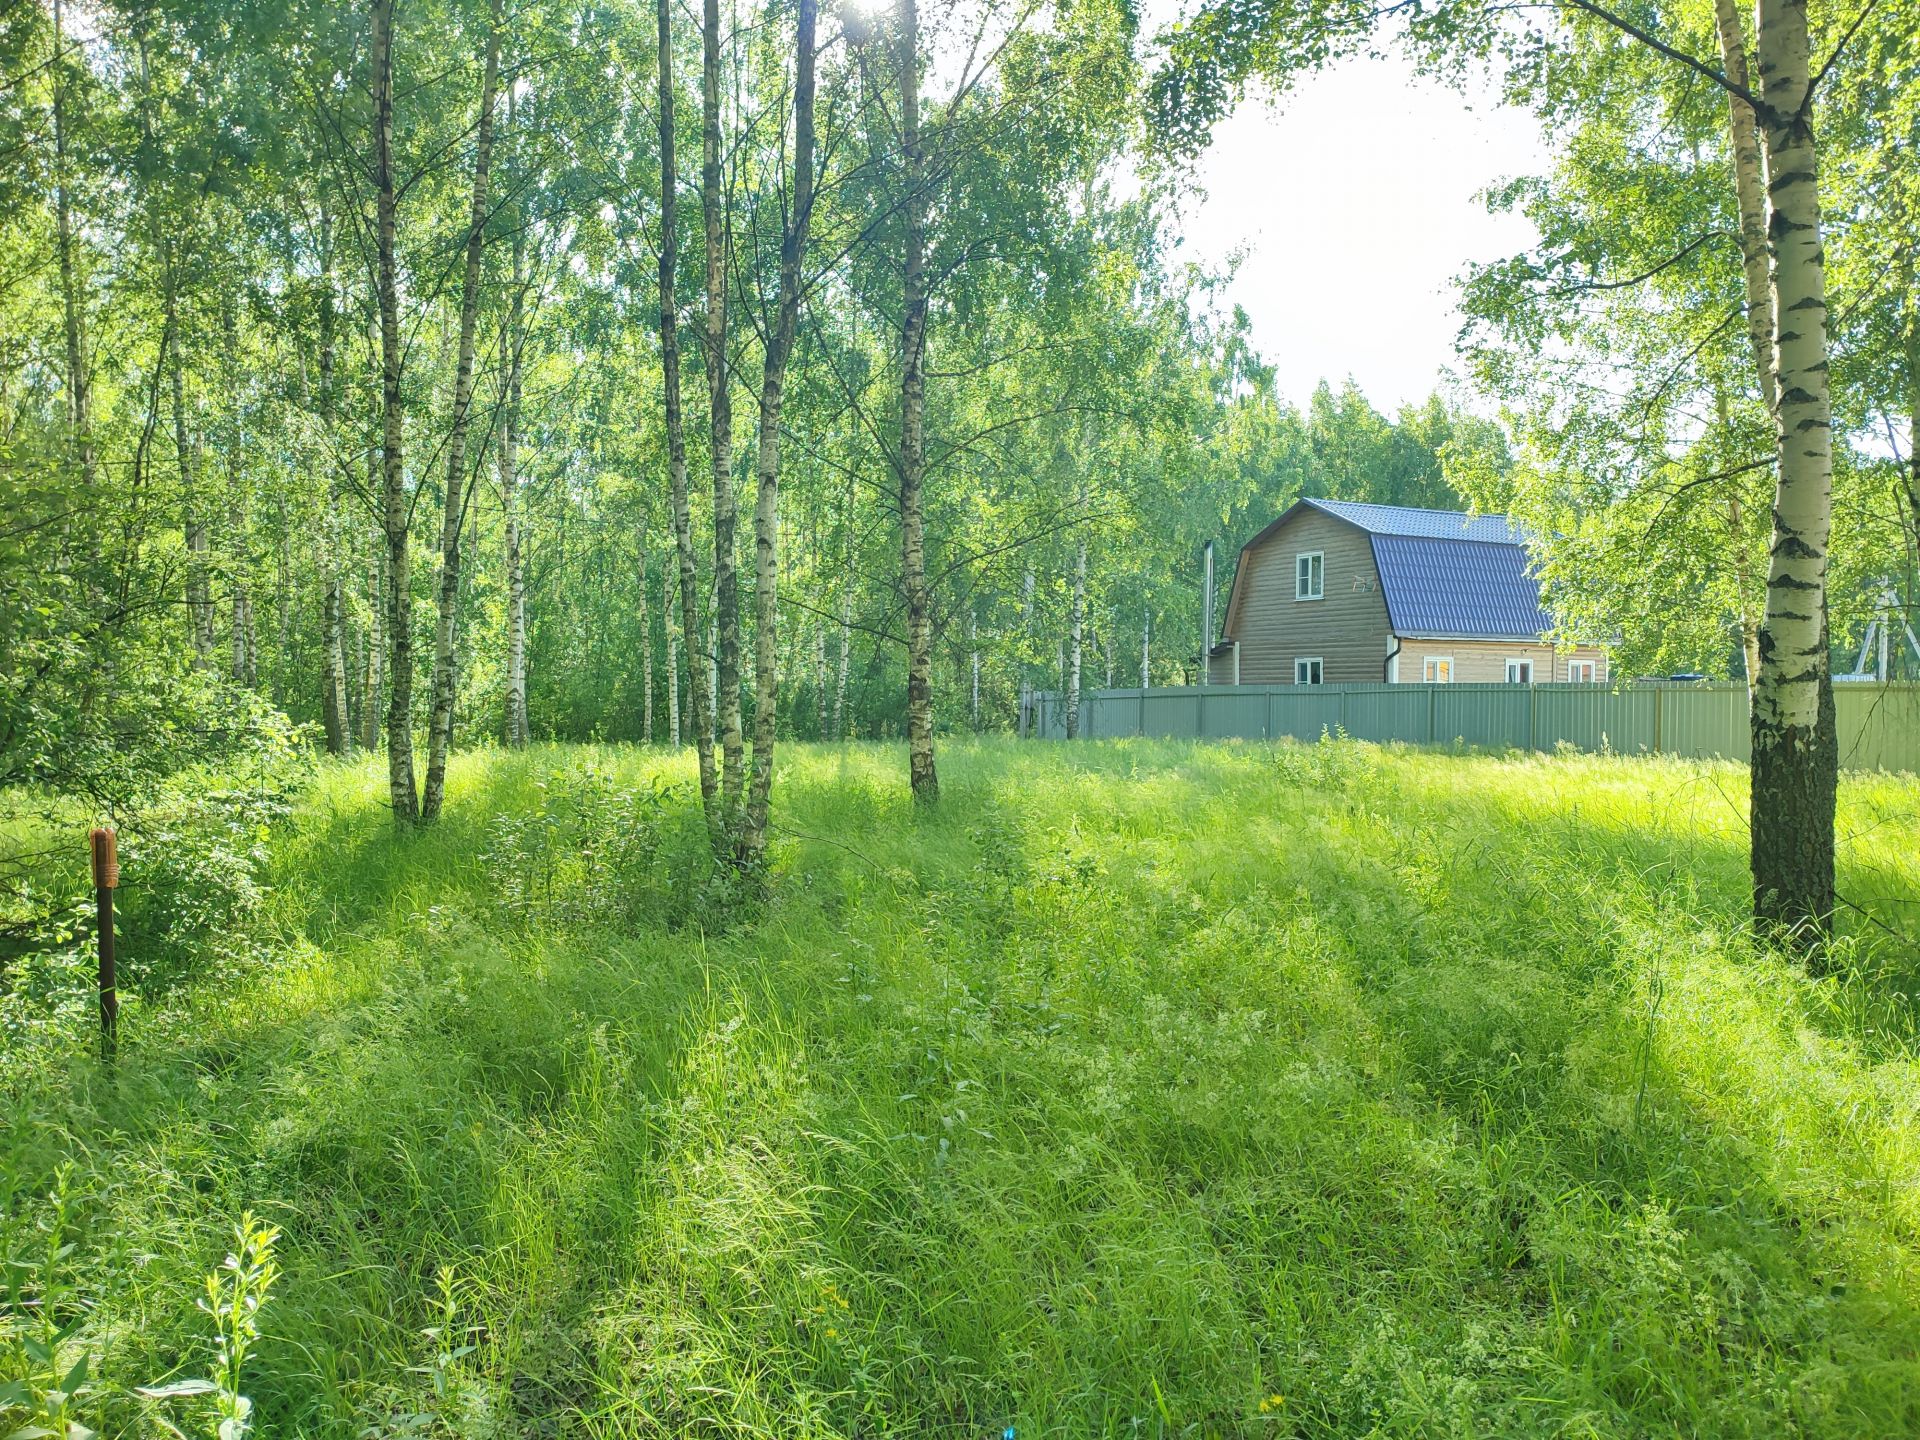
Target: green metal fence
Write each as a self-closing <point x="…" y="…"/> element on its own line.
<point x="1879" y="724"/>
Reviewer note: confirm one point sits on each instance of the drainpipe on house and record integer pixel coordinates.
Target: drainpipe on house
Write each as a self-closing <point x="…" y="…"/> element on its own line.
<point x="1386" y="668"/>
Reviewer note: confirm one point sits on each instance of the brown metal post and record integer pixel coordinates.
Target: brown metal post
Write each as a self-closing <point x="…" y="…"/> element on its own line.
<point x="106" y="879"/>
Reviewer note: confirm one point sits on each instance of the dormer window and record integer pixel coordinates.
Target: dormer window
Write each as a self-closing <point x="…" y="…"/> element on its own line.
<point x="1309" y="575"/>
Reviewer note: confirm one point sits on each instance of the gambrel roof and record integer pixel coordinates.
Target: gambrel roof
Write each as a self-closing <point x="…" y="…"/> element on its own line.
<point x="1443" y="574"/>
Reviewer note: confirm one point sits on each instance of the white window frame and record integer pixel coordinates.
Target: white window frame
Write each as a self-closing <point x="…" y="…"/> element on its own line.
<point x="1301" y="662"/>
<point x="1314" y="564"/>
<point x="1592" y="667"/>
<point x="1517" y="664"/>
<point x="1427" y="664"/>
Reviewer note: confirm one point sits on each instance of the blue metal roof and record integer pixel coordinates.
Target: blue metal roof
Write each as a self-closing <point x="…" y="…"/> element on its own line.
<point x="1431" y="524"/>
<point x="1470" y="588"/>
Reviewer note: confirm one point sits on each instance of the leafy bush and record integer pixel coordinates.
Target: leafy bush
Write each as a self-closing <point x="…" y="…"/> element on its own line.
<point x="588" y="856"/>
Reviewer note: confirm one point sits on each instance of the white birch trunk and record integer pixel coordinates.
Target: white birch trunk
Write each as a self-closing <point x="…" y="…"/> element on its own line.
<point x="922" y="775"/>
<point x="646" y="649"/>
<point x="1795" y="771"/>
<point x="453" y="518"/>
<point x="395" y="506"/>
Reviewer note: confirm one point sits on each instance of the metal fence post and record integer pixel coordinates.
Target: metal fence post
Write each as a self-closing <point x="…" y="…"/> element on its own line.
<point x="1658" y="692"/>
<point x="106" y="879"/>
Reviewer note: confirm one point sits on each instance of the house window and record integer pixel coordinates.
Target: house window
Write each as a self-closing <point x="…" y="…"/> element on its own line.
<point x="1583" y="672"/>
<point x="1439" y="670"/>
<point x="1309" y="575"/>
<point x="1309" y="670"/>
<point x="1519" y="672"/>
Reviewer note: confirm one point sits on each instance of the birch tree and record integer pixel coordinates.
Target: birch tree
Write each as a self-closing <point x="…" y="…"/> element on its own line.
<point x="778" y="347"/>
<point x="396" y="504"/>
<point x="458" y="486"/>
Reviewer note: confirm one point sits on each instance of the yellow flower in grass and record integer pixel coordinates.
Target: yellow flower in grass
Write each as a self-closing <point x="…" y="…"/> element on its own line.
<point x="1272" y="1402"/>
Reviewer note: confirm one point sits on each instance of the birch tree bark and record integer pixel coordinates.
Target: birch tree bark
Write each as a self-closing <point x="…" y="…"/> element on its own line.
<point x="673" y="658"/>
<point x="1749" y="184"/>
<point x="333" y="607"/>
<point x="1795" y="771"/>
<point x="646" y="647"/>
<point x="242" y="645"/>
<point x="445" y="683"/>
<point x="1146" y="646"/>
<point x="726" y="580"/>
<point x="509" y="465"/>
<point x="766" y="510"/>
<point x="697" y="692"/>
<point x="846" y="617"/>
<point x="187" y="453"/>
<point x="73" y="305"/>
<point x="396" y="513"/>
<point x="820" y="675"/>
<point x="973" y="667"/>
<point x="373" y="679"/>
<point x="1076" y="638"/>
<point x="913" y="416"/>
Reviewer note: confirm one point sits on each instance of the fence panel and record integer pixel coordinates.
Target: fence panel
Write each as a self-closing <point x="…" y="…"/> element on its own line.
<point x="1879" y="725"/>
<point x="1174" y="714"/>
<point x="1483" y="717"/>
<point x="1705" y="721"/>
<point x="1389" y="712"/>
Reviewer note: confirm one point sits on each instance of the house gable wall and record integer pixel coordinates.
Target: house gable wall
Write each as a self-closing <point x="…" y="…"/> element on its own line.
<point x="1347" y="629"/>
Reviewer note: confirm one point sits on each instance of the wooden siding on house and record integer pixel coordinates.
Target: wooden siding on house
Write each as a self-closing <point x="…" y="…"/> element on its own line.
<point x="1347" y="629"/>
<point x="1484" y="662"/>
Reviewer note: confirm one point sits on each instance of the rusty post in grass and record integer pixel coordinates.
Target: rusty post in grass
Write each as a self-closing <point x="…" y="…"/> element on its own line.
<point x="106" y="879"/>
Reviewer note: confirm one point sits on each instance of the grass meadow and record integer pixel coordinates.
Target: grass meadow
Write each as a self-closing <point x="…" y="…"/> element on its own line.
<point x="1143" y="1089"/>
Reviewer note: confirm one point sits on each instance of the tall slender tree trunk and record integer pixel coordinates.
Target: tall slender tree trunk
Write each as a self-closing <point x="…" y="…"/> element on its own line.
<point x="79" y="378"/>
<point x="820" y="686"/>
<point x="698" y="697"/>
<point x="1146" y="646"/>
<point x="766" y="510"/>
<point x="446" y="681"/>
<point x="973" y="667"/>
<point x="395" y="510"/>
<point x="846" y="617"/>
<point x="1749" y="184"/>
<point x="242" y="641"/>
<point x="1025" y="649"/>
<point x="1913" y="429"/>
<point x="913" y="419"/>
<point x="1795" y="772"/>
<point x="726" y="579"/>
<point x="673" y="658"/>
<point x="333" y="605"/>
<point x="373" y="675"/>
<point x="1076" y="638"/>
<point x="844" y="666"/>
<point x="193" y="522"/>
<point x="513" y="342"/>
<point x="646" y="647"/>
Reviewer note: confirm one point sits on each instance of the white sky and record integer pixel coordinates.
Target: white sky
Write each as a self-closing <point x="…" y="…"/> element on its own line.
<point x="1354" y="202"/>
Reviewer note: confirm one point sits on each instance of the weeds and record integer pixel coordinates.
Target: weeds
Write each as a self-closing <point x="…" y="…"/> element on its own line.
<point x="234" y="1295"/>
<point x="1141" y="1089"/>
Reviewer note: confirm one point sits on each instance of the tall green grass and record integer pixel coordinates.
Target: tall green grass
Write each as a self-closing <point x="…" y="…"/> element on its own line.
<point x="1142" y="1089"/>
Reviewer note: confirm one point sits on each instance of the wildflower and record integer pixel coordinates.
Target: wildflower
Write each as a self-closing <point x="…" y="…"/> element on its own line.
<point x="1272" y="1402"/>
